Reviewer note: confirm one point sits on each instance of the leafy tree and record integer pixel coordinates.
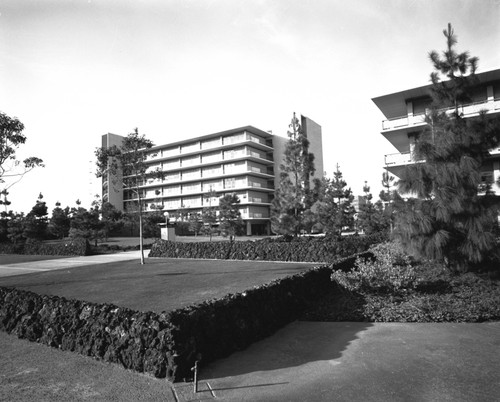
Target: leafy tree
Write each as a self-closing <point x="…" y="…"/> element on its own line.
<point x="11" y="169"/>
<point x="209" y="215"/>
<point x="36" y="222"/>
<point x="446" y="218"/>
<point x="15" y="229"/>
<point x="59" y="223"/>
<point x="209" y="220"/>
<point x="335" y="209"/>
<point x="230" y="221"/>
<point x="293" y="195"/>
<point x="126" y="166"/>
<point x="111" y="218"/>
<point x="195" y="223"/>
<point x="151" y="224"/>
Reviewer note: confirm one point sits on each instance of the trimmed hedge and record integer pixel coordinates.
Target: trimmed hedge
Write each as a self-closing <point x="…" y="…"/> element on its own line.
<point x="305" y="249"/>
<point x="166" y="344"/>
<point x="78" y="247"/>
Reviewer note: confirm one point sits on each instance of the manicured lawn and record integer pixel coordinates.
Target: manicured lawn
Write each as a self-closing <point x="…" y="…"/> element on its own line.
<point x="160" y="285"/>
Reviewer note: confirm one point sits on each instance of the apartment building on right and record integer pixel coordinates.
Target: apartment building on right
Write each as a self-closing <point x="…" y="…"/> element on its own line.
<point x="405" y="112"/>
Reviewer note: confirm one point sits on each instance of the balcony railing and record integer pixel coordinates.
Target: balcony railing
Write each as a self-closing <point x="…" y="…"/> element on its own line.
<point x="465" y="110"/>
<point x="398" y="159"/>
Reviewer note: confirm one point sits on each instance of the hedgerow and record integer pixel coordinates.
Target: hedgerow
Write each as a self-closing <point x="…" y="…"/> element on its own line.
<point x="301" y="249"/>
<point x="73" y="247"/>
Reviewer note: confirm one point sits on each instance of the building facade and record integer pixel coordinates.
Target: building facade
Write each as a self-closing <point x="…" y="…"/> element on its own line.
<point x="243" y="161"/>
<point x="405" y="113"/>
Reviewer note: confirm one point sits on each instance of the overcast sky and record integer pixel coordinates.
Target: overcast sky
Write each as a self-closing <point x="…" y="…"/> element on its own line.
<point x="72" y="70"/>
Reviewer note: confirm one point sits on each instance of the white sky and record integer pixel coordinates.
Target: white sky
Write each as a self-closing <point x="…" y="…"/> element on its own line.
<point x="72" y="70"/>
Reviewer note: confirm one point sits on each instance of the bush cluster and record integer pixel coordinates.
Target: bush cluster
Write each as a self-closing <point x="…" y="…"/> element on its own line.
<point x="166" y="344"/>
<point x="302" y="249"/>
<point x="388" y="270"/>
<point x="390" y="287"/>
<point x="74" y="247"/>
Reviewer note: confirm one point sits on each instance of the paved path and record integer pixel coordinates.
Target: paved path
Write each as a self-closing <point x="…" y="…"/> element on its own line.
<point x="64" y="263"/>
<point x="305" y="361"/>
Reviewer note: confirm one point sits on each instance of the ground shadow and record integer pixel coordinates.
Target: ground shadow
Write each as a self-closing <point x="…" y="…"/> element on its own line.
<point x="298" y="343"/>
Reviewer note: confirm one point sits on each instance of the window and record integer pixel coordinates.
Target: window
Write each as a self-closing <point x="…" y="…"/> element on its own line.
<point x="191" y="174"/>
<point x="191" y="188"/>
<point x="190" y="148"/>
<point x="211" y="143"/>
<point x="212" y="171"/>
<point x="191" y="161"/>
<point x="169" y="177"/>
<point x="212" y="157"/>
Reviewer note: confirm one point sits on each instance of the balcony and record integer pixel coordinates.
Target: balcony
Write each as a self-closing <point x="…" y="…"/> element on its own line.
<point x="468" y="110"/>
<point x="398" y="159"/>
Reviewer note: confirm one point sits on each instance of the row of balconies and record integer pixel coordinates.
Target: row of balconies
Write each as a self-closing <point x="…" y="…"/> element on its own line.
<point x="205" y="146"/>
<point x="468" y="110"/>
<point x="259" y="210"/>
<point x="405" y="158"/>
<point x="198" y="175"/>
<point x="203" y="188"/>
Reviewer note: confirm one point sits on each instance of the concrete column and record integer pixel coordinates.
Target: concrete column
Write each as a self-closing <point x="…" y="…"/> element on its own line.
<point x="249" y="228"/>
<point x="496" y="176"/>
<point x="489" y="93"/>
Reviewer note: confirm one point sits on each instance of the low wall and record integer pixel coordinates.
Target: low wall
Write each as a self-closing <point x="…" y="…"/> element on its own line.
<point x="73" y="247"/>
<point x="165" y="344"/>
<point x="318" y="250"/>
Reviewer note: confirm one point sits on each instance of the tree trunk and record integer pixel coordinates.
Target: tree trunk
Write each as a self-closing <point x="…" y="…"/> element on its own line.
<point x="141" y="242"/>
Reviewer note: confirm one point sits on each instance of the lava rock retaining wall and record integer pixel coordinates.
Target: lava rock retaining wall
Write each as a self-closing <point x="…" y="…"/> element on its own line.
<point x="165" y="344"/>
<point x="321" y="250"/>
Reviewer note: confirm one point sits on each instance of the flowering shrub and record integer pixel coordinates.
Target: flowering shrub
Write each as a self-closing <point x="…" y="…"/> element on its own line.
<point x="390" y="271"/>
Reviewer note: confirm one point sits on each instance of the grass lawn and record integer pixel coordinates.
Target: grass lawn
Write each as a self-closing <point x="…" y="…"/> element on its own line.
<point x="160" y="285"/>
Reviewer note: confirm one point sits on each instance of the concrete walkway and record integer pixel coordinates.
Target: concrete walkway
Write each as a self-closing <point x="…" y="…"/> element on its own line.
<point x="64" y="263"/>
<point x="342" y="361"/>
<point x="305" y="361"/>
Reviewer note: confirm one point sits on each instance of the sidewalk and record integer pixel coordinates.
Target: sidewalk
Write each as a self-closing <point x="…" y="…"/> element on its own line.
<point x="305" y="361"/>
<point x="27" y="267"/>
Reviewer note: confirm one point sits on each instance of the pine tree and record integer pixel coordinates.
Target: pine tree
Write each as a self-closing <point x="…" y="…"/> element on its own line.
<point x="446" y="218"/>
<point x="59" y="223"/>
<point x="335" y="209"/>
<point x="293" y="194"/>
<point x="36" y="222"/>
<point x="365" y="221"/>
<point x="230" y="221"/>
<point x="126" y="165"/>
<point x="389" y="198"/>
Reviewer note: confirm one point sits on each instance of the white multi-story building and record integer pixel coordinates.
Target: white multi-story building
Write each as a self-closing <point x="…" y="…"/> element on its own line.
<point x="405" y="118"/>
<point x="243" y="161"/>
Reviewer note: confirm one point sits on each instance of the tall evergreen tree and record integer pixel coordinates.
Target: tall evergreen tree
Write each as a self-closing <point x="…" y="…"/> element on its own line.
<point x="59" y="222"/>
<point x="126" y="165"/>
<point x="335" y="209"/>
<point x="36" y="222"/>
<point x="389" y="198"/>
<point x="446" y="218"/>
<point x="293" y="194"/>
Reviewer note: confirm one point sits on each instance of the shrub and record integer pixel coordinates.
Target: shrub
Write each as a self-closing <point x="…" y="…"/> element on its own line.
<point x="389" y="271"/>
<point x="78" y="247"/>
<point x="301" y="249"/>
